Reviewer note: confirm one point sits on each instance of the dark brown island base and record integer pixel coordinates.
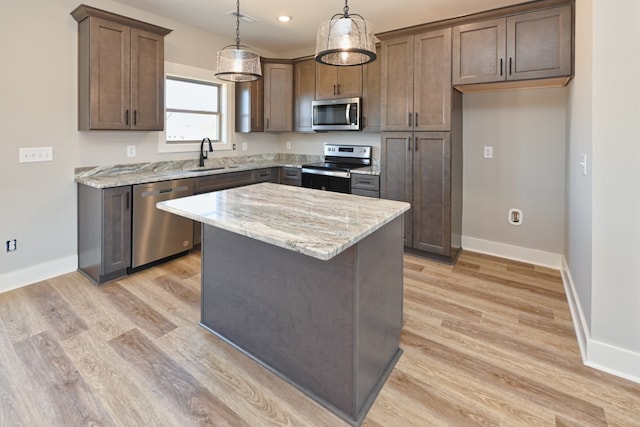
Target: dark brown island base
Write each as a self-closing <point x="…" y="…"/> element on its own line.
<point x="308" y="283"/>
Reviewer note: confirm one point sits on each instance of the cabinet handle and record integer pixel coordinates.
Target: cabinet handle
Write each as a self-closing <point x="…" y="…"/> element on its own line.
<point x="510" y="61"/>
<point x="501" y="67"/>
<point x="126" y="117"/>
<point x="410" y="119"/>
<point x="334" y="90"/>
<point x="135" y="117"/>
<point x="416" y="119"/>
<point x="415" y="144"/>
<point x="339" y="89"/>
<point x="267" y="123"/>
<point x="409" y="144"/>
<point x="127" y="201"/>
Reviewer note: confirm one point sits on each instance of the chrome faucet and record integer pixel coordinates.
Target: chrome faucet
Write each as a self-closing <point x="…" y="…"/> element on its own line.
<point x="203" y="154"/>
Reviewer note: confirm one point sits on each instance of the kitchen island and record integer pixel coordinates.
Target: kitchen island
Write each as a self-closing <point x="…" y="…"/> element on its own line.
<point x="306" y="282"/>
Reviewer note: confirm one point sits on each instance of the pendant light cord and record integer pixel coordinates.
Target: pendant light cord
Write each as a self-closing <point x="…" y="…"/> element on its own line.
<point x="346" y="9"/>
<point x="238" y="24"/>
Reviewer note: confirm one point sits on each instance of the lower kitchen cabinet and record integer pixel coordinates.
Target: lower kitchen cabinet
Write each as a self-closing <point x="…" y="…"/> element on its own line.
<point x="425" y="169"/>
<point x="104" y="232"/>
<point x="291" y="176"/>
<point x="365" y="185"/>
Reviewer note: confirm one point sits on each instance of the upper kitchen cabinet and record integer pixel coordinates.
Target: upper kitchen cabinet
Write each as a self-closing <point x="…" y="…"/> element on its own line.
<point x="371" y="87"/>
<point x="278" y="97"/>
<point x="304" y="89"/>
<point x="416" y="82"/>
<point x="526" y="46"/>
<point x="249" y="104"/>
<point x="338" y="82"/>
<point x="120" y="72"/>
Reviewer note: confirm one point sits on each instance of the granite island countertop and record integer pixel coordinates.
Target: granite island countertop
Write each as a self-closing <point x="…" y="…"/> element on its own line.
<point x="109" y="176"/>
<point x="317" y="223"/>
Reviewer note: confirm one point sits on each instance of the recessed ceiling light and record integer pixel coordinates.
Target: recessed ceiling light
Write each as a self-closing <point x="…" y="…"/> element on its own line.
<point x="284" y="18"/>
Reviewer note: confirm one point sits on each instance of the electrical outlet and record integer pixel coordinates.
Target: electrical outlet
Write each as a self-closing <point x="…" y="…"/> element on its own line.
<point x="288" y="145"/>
<point x="12" y="245"/>
<point x="515" y="216"/>
<point x="244" y="146"/>
<point x="488" y="152"/>
<point x="131" y="150"/>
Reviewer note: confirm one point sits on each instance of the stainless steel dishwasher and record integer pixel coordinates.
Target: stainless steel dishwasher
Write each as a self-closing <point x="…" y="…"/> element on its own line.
<point x="158" y="234"/>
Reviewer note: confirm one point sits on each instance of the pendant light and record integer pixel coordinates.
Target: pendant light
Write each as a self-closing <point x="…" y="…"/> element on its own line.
<point x="346" y="39"/>
<point x="236" y="62"/>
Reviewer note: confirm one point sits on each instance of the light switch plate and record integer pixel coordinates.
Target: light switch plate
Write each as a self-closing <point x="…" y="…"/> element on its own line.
<point x="35" y="154"/>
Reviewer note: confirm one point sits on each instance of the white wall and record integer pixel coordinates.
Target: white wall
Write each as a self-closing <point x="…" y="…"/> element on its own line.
<point x="38" y="83"/>
<point x="616" y="175"/>
<point x="602" y="252"/>
<point x="526" y="129"/>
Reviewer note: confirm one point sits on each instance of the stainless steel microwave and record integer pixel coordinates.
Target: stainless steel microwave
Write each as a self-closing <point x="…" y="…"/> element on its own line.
<point x="336" y="114"/>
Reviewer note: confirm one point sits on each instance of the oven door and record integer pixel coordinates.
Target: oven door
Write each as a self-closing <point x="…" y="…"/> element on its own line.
<point x="326" y="182"/>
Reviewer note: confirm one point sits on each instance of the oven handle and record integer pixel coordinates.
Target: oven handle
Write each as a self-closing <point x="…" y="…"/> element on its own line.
<point x="338" y="174"/>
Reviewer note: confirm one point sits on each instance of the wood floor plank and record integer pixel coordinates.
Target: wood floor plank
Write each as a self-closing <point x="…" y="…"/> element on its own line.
<point x="486" y="342"/>
<point x="56" y="311"/>
<point x="180" y="390"/>
<point x="20" y="317"/>
<point x="59" y="391"/>
<point x="136" y="310"/>
<point x="130" y="402"/>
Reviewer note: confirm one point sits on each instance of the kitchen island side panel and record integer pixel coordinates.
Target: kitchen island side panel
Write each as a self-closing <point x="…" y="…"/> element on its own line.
<point x="331" y="328"/>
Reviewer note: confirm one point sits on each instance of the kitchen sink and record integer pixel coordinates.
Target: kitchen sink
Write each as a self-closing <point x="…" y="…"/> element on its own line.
<point x="204" y="169"/>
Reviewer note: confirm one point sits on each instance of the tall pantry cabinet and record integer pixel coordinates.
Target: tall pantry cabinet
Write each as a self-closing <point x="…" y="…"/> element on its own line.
<point x="421" y="147"/>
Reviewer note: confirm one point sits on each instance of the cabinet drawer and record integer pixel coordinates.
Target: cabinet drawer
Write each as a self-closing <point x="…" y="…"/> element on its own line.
<point x="210" y="183"/>
<point x="365" y="182"/>
<point x="267" y="175"/>
<point x="368" y="193"/>
<point x="290" y="174"/>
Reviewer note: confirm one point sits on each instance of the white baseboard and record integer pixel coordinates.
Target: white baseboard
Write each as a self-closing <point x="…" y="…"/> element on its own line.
<point x="577" y="314"/>
<point x="516" y="253"/>
<point x="595" y="354"/>
<point x="37" y="273"/>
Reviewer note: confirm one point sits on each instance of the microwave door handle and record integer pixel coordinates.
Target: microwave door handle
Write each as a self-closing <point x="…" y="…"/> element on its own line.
<point x="346" y="114"/>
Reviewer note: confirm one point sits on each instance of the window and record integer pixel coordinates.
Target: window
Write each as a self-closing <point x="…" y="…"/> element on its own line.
<point x="192" y="110"/>
<point x="196" y="106"/>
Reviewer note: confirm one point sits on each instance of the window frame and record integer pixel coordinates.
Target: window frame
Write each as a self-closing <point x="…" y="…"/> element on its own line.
<point x="219" y="113"/>
<point x="186" y="72"/>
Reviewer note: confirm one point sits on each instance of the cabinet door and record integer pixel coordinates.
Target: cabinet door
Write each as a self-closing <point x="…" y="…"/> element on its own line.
<point x="396" y="174"/>
<point x="116" y="229"/>
<point x="108" y="80"/>
<point x="479" y="52"/>
<point x="397" y="84"/>
<point x="249" y="105"/>
<point x="304" y="82"/>
<point x="338" y="82"/>
<point x="432" y="81"/>
<point x="371" y="92"/>
<point x="432" y="192"/>
<point x="278" y="97"/>
<point x="147" y="80"/>
<point x="539" y="44"/>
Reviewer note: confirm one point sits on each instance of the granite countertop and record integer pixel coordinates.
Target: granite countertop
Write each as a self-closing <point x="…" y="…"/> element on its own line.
<point x="140" y="173"/>
<point x="320" y="224"/>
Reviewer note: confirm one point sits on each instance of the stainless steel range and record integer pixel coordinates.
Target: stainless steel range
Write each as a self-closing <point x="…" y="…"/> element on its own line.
<point x="334" y="174"/>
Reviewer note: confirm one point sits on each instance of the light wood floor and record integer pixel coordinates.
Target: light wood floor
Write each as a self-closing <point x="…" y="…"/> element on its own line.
<point x="489" y="342"/>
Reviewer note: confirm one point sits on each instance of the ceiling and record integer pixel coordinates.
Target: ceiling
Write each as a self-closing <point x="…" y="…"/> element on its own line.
<point x="268" y="34"/>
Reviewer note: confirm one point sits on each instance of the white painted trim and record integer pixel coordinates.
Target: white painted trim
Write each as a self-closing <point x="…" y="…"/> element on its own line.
<point x="577" y="314"/>
<point x="595" y="354"/>
<point x="516" y="253"/>
<point x="37" y="273"/>
<point x="613" y="360"/>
